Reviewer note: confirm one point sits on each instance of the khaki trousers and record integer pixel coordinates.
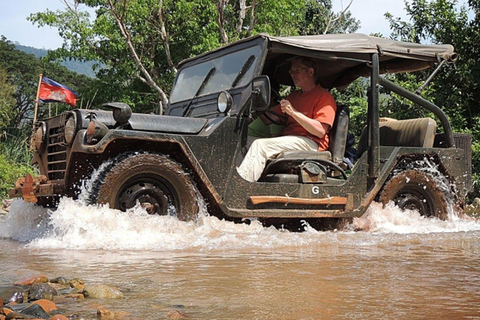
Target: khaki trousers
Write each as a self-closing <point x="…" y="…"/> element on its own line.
<point x="268" y="148"/>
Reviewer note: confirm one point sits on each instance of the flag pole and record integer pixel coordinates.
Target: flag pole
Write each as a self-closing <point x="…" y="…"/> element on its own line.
<point x="35" y="114"/>
<point x="36" y="100"/>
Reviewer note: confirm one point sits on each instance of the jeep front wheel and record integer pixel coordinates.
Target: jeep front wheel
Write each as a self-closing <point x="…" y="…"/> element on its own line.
<point x="414" y="190"/>
<point x="159" y="184"/>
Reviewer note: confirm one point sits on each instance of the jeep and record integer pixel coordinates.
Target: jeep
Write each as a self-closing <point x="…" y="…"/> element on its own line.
<point x="167" y="163"/>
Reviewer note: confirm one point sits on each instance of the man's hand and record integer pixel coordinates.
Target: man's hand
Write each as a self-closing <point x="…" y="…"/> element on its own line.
<point x="311" y="125"/>
<point x="287" y="107"/>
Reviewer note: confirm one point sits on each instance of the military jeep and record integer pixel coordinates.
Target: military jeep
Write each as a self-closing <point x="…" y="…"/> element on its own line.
<point x="167" y="163"/>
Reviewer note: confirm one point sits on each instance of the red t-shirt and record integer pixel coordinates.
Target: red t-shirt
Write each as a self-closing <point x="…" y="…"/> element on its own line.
<point x="316" y="104"/>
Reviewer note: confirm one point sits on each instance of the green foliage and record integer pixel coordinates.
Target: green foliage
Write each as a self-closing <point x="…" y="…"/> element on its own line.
<point x="456" y="88"/>
<point x="10" y="172"/>
<point x="7" y="101"/>
<point x="14" y="158"/>
<point x="173" y="30"/>
<point x="22" y="73"/>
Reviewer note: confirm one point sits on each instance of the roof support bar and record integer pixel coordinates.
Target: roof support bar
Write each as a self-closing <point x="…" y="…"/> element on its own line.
<point x="373" y="126"/>
<point x="424" y="103"/>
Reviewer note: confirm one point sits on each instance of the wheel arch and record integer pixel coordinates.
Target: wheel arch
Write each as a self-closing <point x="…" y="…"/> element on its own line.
<point x="172" y="148"/>
<point x="431" y="166"/>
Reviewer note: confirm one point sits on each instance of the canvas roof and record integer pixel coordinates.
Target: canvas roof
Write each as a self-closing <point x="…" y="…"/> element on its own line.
<point x="344" y="57"/>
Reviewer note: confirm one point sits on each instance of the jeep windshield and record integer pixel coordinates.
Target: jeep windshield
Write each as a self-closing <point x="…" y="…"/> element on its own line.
<point x="236" y="68"/>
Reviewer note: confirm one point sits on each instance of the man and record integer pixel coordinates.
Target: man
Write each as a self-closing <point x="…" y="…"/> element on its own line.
<point x="311" y="112"/>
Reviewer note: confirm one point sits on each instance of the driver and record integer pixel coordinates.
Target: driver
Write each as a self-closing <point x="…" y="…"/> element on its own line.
<point x="311" y="112"/>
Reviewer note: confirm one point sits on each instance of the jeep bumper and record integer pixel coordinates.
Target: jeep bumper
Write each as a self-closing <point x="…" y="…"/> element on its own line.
<point x="30" y="188"/>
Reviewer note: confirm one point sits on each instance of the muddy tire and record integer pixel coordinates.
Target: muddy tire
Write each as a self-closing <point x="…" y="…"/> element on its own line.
<point x="415" y="190"/>
<point x="158" y="183"/>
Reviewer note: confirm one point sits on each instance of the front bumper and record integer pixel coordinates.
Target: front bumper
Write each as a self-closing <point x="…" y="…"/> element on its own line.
<point x="30" y="188"/>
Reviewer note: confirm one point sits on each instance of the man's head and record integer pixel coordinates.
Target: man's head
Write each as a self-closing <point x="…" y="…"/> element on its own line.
<point x="303" y="71"/>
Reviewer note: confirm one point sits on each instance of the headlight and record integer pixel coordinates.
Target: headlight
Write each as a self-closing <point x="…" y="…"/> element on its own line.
<point x="39" y="138"/>
<point x="96" y="130"/>
<point x="224" y="102"/>
<point x="70" y="129"/>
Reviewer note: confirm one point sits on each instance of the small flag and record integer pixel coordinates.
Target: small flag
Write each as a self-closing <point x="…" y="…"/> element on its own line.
<point x="51" y="91"/>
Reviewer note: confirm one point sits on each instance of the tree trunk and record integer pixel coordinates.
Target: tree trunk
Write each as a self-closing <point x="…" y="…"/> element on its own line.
<point x="252" y="18"/>
<point x="147" y="78"/>
<point x="165" y="37"/>
<point x="221" y="20"/>
<point x="241" y="15"/>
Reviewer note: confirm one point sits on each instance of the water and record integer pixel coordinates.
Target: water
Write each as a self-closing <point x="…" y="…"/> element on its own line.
<point x="399" y="266"/>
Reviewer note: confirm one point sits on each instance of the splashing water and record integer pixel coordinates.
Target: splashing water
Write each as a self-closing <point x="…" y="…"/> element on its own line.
<point x="74" y="225"/>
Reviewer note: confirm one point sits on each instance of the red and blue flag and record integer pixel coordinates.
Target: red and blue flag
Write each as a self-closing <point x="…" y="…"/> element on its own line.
<point x="52" y="91"/>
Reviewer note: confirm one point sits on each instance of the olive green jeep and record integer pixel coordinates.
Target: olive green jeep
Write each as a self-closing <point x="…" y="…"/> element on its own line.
<point x="167" y="163"/>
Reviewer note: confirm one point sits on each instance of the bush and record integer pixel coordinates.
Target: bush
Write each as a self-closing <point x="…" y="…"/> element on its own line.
<point x="14" y="158"/>
<point x="9" y="173"/>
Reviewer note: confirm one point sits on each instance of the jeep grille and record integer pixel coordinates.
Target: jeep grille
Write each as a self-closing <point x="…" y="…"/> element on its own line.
<point x="57" y="152"/>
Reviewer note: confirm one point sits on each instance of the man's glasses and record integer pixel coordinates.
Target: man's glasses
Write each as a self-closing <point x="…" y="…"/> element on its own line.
<point x="296" y="70"/>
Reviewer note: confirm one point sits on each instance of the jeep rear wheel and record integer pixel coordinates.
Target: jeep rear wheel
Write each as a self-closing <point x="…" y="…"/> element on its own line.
<point x="159" y="184"/>
<point x="415" y="190"/>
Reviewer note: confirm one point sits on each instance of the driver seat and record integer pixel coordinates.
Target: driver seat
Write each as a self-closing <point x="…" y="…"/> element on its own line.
<point x="299" y="166"/>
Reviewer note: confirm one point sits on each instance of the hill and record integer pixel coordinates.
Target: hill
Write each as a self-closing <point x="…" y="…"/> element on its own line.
<point x="73" y="65"/>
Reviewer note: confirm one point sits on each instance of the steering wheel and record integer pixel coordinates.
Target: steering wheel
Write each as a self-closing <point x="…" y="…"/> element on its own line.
<point x="276" y="96"/>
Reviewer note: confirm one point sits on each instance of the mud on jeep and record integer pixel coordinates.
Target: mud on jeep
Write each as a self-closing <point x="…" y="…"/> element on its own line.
<point x="162" y="160"/>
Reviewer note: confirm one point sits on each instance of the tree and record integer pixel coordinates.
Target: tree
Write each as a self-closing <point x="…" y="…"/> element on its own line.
<point x="22" y="72"/>
<point x="455" y="88"/>
<point x="139" y="43"/>
<point x="7" y="101"/>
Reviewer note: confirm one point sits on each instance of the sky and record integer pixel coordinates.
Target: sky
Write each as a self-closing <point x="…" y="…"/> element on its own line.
<point x="15" y="27"/>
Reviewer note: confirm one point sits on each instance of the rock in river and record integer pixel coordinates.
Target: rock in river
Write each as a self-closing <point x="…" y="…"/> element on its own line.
<point x="102" y="291"/>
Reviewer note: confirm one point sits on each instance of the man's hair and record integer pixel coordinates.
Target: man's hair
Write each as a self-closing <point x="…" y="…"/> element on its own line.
<point x="309" y="63"/>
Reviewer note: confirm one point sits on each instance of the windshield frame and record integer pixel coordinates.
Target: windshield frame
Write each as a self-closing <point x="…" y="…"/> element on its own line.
<point x="256" y="47"/>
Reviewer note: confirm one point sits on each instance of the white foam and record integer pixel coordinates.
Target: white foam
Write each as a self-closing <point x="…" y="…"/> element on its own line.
<point x="392" y="219"/>
<point x="25" y="222"/>
<point x="77" y="226"/>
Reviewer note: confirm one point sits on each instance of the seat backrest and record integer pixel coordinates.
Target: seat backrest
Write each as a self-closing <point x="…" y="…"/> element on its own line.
<point x="338" y="134"/>
<point x="402" y="133"/>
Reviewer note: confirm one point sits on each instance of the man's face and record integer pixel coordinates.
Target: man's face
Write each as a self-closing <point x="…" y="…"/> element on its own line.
<point x="301" y="75"/>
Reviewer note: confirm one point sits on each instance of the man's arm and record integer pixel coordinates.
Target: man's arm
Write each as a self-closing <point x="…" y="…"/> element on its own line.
<point x="311" y="125"/>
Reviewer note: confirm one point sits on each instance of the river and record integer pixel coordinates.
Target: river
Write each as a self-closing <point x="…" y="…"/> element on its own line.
<point x="400" y="266"/>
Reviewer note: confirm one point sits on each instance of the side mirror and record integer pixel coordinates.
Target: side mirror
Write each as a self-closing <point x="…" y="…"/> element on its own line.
<point x="261" y="93"/>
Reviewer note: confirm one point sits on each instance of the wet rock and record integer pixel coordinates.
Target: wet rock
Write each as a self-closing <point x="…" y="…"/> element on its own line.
<point x="5" y="311"/>
<point x="42" y="291"/>
<point x="13" y="293"/>
<point x="36" y="310"/>
<point x="18" y="307"/>
<point x="46" y="305"/>
<point x="76" y="296"/>
<point x="60" y="280"/>
<point x="58" y="317"/>
<point x="102" y="292"/>
<point x="1" y="302"/>
<point x="77" y="283"/>
<point x="174" y="314"/>
<point x="66" y="291"/>
<point x="105" y="314"/>
<point x="32" y="281"/>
